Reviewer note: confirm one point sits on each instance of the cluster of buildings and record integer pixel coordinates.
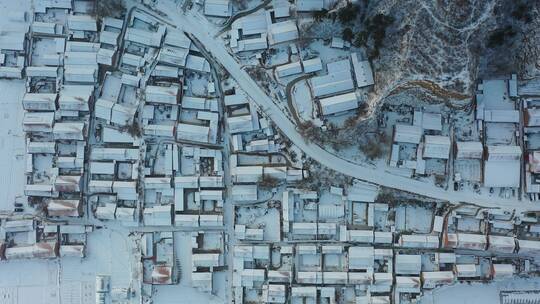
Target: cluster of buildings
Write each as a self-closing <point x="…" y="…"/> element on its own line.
<point x="335" y="90"/>
<point x="254" y="149"/>
<point x="494" y="150"/>
<point x="127" y="126"/>
<point x="530" y="96"/>
<point x="33" y="239"/>
<point x="147" y="164"/>
<point x="58" y="59"/>
<point x="420" y="147"/>
<point x="342" y="244"/>
<point x="333" y="87"/>
<point x="263" y="29"/>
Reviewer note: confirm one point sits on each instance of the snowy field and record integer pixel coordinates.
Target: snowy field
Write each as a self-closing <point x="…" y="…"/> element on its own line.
<point x="477" y="293"/>
<point x="12" y="143"/>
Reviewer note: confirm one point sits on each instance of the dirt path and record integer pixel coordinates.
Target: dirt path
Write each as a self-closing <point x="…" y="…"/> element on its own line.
<point x="430" y="86"/>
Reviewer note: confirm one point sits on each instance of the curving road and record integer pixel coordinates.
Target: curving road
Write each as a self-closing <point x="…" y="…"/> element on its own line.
<point x="196" y="26"/>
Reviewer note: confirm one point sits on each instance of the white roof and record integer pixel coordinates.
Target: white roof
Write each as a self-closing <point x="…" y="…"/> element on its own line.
<point x="505" y="244"/>
<point x="119" y="154"/>
<point x="247" y="174"/>
<point x="466" y="270"/>
<point x="165" y="71"/>
<point x="252" y="44"/>
<point x="80" y="58"/>
<point x="431" y="279"/>
<point x="419" y="241"/>
<point x="186" y="182"/>
<point x="471" y="241"/>
<point x="251" y="24"/>
<point x="339" y="103"/>
<point x="529" y="247"/>
<point x="206" y="220"/>
<point x="110" y="135"/>
<point x="144" y="37"/>
<point x="105" y="56"/>
<point x="309" y="5"/>
<point x="159" y="94"/>
<point x="173" y="56"/>
<point x="504" y="152"/>
<point x="41" y="147"/>
<point x="192" y="132"/>
<point x="332" y="83"/>
<point x="503" y="270"/>
<point x="197" y="63"/>
<point x="219" y="8"/>
<point x="75" y="97"/>
<point x="44" y="27"/>
<point x="500" y="174"/>
<point x="113" y="22"/>
<point x="436" y="146"/>
<point x="157" y="183"/>
<point x="159" y="130"/>
<point x="40" y="101"/>
<point x="469" y="149"/>
<point x="312" y="65"/>
<point x="501" y="116"/>
<point x="80" y="73"/>
<point x="532" y="116"/>
<point x="236" y="99"/>
<point x="63" y="207"/>
<point x="82" y="23"/>
<point x="239" y="124"/>
<point x="106" y="212"/>
<point x="106" y="167"/>
<point x="38" y="121"/>
<point x="363" y="236"/>
<point x="109" y="37"/>
<point x="361" y="257"/>
<point x="158" y="215"/>
<point x="41" y="71"/>
<point x="177" y="38"/>
<point x="81" y="46"/>
<point x="282" y="31"/>
<point x="289" y="69"/>
<point x="407" y="134"/>
<point x="69" y="130"/>
<point x="428" y="121"/>
<point x="362" y="71"/>
<point x="186" y="220"/>
<point x="408" y="264"/>
<point x="199" y="103"/>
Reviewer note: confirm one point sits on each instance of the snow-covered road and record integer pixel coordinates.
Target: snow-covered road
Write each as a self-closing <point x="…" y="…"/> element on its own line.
<point x="197" y="25"/>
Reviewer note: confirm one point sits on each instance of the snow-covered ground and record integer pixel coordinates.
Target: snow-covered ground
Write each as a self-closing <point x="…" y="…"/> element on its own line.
<point x="12" y="144"/>
<point x="194" y="24"/>
<point x="477" y="293"/>
<point x="70" y="280"/>
<point x="12" y="140"/>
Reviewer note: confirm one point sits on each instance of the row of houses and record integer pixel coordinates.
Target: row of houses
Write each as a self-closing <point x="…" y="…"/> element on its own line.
<point x="367" y="271"/>
<point x="62" y="68"/>
<point x="41" y="240"/>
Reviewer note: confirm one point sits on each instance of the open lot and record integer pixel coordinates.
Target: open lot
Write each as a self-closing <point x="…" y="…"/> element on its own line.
<point x="12" y="144"/>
